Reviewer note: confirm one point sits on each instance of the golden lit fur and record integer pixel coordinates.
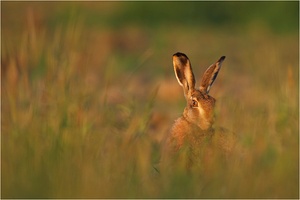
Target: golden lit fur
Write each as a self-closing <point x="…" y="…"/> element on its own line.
<point x="194" y="130"/>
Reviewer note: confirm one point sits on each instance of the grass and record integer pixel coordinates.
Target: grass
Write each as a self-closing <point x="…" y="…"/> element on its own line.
<point x="85" y="105"/>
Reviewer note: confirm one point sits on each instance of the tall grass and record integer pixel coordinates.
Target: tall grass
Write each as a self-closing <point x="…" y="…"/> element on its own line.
<point x="84" y="111"/>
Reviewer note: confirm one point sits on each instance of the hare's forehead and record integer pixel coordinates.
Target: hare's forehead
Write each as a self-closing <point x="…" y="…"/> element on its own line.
<point x="197" y="95"/>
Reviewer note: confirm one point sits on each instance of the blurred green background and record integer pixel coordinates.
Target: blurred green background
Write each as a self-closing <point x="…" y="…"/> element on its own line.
<point x="89" y="93"/>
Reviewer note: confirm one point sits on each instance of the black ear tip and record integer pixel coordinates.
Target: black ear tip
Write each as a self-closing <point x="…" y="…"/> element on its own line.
<point x="222" y="59"/>
<point x="179" y="54"/>
<point x="180" y="58"/>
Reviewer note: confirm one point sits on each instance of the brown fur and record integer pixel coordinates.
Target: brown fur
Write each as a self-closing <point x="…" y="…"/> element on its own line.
<point x="193" y="135"/>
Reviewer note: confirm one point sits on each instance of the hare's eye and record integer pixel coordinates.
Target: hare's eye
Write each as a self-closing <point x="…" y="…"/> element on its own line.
<point x="194" y="103"/>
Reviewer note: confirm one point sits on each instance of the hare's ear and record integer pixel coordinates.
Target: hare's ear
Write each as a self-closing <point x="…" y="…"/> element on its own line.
<point x="184" y="73"/>
<point x="210" y="75"/>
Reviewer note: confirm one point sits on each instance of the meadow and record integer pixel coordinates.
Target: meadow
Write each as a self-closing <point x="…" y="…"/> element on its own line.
<point x="88" y="93"/>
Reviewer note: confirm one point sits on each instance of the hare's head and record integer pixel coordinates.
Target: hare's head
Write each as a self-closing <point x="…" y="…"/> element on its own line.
<point x="200" y="106"/>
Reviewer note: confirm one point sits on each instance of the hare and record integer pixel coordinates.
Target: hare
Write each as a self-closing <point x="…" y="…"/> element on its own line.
<point x="193" y="134"/>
